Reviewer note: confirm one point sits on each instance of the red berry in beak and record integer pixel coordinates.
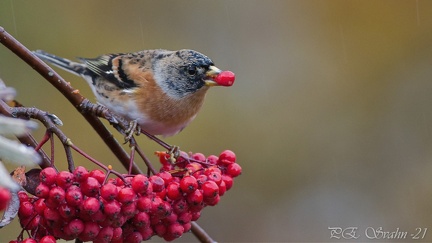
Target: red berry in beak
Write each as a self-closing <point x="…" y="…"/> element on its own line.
<point x="225" y="78"/>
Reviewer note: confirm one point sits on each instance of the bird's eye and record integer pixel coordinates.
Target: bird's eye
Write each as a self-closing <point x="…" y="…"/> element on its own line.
<point x="191" y="70"/>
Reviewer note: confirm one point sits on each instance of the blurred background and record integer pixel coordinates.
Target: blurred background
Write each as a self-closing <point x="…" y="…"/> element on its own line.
<point x="330" y="115"/>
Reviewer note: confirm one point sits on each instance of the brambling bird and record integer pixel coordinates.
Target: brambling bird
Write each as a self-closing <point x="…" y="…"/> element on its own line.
<point x="161" y="90"/>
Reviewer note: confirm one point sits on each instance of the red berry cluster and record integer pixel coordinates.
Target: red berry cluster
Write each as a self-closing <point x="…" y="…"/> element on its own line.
<point x="5" y="197"/>
<point x="87" y="206"/>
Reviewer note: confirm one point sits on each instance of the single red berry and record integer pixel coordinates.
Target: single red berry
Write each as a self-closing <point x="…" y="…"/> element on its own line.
<point x="5" y="197"/>
<point x="67" y="212"/>
<point x="228" y="181"/>
<point x="173" y="191"/>
<point x="105" y="234"/>
<point x="157" y="182"/>
<point x="222" y="188"/>
<point x="112" y="209"/>
<point x="197" y="207"/>
<point x="187" y="227"/>
<point x="180" y="206"/>
<point x="213" y="168"/>
<point x="51" y="215"/>
<point x="199" y="156"/>
<point x="129" y="210"/>
<point x="210" y="189"/>
<point x="65" y="179"/>
<point x="74" y="197"/>
<point x="227" y="157"/>
<point x="90" y="187"/>
<point x="117" y="234"/>
<point x="188" y="184"/>
<point x="161" y="194"/>
<point x="144" y="204"/>
<point x="29" y="240"/>
<point x="48" y="239"/>
<point x="182" y="160"/>
<point x="170" y="219"/>
<point x="166" y="177"/>
<point x="34" y="223"/>
<point x="90" y="205"/>
<point x="163" y="157"/>
<point x="141" y="219"/>
<point x="99" y="217"/>
<point x="195" y="198"/>
<point x="196" y="215"/>
<point x="126" y="195"/>
<point x="57" y="194"/>
<point x="109" y="191"/>
<point x="48" y="176"/>
<point x="134" y="237"/>
<point x="167" y="167"/>
<point x="146" y="233"/>
<point x="164" y="210"/>
<point x="160" y="229"/>
<point x="175" y="230"/>
<point x="201" y="179"/>
<point x="225" y="78"/>
<point x="212" y="159"/>
<point x="51" y="203"/>
<point x="194" y="168"/>
<point x="185" y="217"/>
<point x="22" y="195"/>
<point x="214" y="176"/>
<point x="76" y="226"/>
<point x="42" y="190"/>
<point x="26" y="209"/>
<point x="40" y="206"/>
<point x="212" y="201"/>
<point x="98" y="175"/>
<point x="91" y="230"/>
<point x="140" y="183"/>
<point x="119" y="221"/>
<point x="81" y="174"/>
<point x="234" y="170"/>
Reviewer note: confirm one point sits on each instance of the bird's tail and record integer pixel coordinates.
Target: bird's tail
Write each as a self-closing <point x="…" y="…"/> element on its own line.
<point x="63" y="63"/>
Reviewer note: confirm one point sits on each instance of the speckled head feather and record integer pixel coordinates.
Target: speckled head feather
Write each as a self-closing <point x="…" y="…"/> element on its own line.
<point x="181" y="72"/>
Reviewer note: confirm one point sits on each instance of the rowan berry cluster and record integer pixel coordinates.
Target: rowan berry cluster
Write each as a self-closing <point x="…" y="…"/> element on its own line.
<point x="87" y="205"/>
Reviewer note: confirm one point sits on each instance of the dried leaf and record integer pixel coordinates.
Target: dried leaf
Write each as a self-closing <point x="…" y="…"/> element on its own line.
<point x="11" y="211"/>
<point x="32" y="178"/>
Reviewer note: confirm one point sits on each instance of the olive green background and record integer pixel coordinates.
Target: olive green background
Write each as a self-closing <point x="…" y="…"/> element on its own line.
<point x="330" y="115"/>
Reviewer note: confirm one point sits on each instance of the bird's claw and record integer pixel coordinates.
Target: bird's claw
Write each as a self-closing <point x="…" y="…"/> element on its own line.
<point x="173" y="153"/>
<point x="132" y="129"/>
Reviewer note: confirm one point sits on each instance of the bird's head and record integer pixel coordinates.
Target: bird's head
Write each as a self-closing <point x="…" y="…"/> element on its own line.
<point x="184" y="72"/>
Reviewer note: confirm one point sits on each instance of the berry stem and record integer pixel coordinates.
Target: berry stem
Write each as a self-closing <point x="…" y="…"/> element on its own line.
<point x="143" y="156"/>
<point x="131" y="157"/>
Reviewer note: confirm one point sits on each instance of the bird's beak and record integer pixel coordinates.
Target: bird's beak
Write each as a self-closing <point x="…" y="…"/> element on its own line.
<point x="211" y="74"/>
